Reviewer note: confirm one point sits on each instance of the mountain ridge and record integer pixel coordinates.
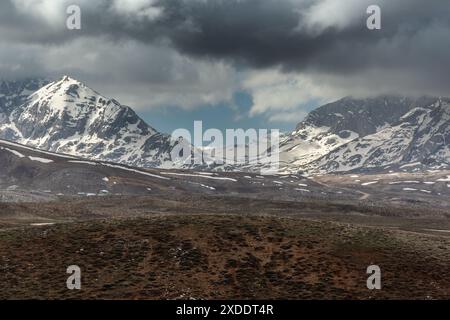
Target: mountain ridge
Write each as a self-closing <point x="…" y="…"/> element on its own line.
<point x="421" y="136"/>
<point x="68" y="117"/>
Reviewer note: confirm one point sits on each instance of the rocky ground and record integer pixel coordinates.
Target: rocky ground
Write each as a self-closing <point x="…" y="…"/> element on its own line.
<point x="212" y="247"/>
<point x="160" y="234"/>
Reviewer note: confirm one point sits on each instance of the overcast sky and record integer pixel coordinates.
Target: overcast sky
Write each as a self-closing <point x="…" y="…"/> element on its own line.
<point x="231" y="62"/>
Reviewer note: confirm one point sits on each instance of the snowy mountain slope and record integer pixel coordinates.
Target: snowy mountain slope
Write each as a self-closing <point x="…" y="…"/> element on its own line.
<point x="421" y="136"/>
<point x="13" y="94"/>
<point x="29" y="174"/>
<point x="67" y="117"/>
<point x="335" y="124"/>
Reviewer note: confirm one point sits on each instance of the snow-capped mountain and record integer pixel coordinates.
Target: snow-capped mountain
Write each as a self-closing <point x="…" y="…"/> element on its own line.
<point x="421" y="137"/>
<point x="335" y="124"/>
<point x="68" y="117"/>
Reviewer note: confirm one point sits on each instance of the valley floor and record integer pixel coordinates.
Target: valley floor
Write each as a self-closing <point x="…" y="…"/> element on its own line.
<point x="222" y="247"/>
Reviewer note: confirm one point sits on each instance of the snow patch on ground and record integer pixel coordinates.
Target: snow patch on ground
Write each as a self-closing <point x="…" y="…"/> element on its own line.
<point x="207" y="187"/>
<point x="39" y="159"/>
<point x="369" y="183"/>
<point x="83" y="162"/>
<point x="198" y="176"/>
<point x="16" y="153"/>
<point x="399" y="182"/>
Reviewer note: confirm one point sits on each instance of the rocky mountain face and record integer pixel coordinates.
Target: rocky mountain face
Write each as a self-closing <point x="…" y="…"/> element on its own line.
<point x="420" y="138"/>
<point x="338" y="123"/>
<point x="369" y="133"/>
<point x="14" y="93"/>
<point x="68" y="117"/>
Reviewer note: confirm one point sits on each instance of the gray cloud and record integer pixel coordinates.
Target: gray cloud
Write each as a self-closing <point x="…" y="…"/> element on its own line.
<point x="324" y="40"/>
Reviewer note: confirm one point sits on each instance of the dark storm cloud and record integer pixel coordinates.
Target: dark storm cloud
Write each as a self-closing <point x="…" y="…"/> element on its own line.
<point x="268" y="33"/>
<point x="257" y="32"/>
<point x="310" y="36"/>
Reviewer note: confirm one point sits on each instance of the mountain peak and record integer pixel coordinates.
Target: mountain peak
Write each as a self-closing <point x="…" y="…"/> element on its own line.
<point x="66" y="116"/>
<point x="66" y="91"/>
<point x="67" y="78"/>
